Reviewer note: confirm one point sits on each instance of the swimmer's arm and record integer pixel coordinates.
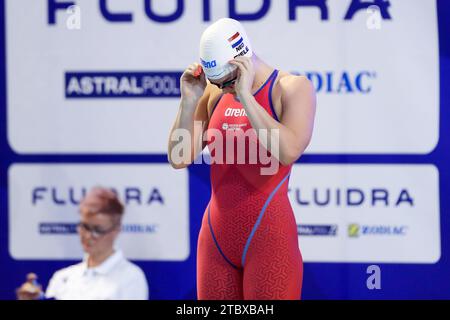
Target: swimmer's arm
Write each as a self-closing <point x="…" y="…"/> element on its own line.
<point x="298" y="100"/>
<point x="191" y="121"/>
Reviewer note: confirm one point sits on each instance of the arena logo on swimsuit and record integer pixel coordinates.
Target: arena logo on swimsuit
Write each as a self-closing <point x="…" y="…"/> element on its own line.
<point x="73" y="195"/>
<point x="354" y="7"/>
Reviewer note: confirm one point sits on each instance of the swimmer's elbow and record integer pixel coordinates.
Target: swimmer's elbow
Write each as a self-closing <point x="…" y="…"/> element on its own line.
<point x="177" y="165"/>
<point x="291" y="155"/>
<point x="287" y="160"/>
<point x="181" y="165"/>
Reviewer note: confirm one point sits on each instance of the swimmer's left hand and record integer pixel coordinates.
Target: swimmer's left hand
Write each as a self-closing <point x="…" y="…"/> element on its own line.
<point x="246" y="75"/>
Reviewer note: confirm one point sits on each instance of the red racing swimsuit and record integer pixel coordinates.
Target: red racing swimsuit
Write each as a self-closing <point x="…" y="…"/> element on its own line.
<point x="248" y="243"/>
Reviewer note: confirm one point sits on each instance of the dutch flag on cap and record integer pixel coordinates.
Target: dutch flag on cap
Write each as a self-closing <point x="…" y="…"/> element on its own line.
<point x="235" y="40"/>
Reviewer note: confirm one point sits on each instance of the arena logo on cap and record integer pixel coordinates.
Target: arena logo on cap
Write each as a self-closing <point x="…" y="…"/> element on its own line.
<point x="209" y="64"/>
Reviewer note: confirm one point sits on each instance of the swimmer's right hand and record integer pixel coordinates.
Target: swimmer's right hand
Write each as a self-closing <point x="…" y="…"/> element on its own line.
<point x="193" y="83"/>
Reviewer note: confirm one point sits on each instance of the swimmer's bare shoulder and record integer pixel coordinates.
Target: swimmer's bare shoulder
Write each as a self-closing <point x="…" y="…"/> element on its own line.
<point x="285" y="83"/>
<point x="286" y="79"/>
<point x="291" y="84"/>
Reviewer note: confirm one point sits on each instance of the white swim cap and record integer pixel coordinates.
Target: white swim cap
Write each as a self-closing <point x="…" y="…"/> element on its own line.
<point x="221" y="42"/>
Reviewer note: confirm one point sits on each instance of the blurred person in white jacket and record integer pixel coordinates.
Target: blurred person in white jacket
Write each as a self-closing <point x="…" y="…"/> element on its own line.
<point x="104" y="272"/>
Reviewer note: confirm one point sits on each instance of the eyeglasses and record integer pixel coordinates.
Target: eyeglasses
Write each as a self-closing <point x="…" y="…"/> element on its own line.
<point x="95" y="231"/>
<point x="225" y="84"/>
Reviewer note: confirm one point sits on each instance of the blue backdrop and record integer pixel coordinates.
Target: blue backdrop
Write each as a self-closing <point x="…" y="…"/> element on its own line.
<point x="176" y="280"/>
